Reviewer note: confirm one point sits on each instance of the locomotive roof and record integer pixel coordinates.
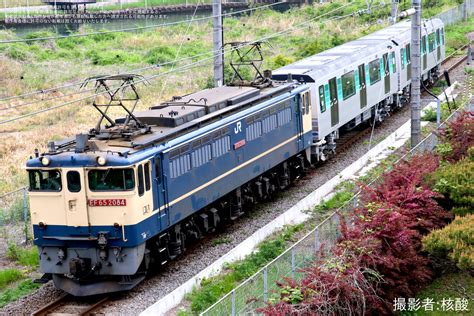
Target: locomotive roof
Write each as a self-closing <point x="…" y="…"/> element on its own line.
<point x="326" y="63"/>
<point x="174" y="118"/>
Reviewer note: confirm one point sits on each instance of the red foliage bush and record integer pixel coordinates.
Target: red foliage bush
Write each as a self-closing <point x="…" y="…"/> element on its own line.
<point x="378" y="258"/>
<point x="460" y="135"/>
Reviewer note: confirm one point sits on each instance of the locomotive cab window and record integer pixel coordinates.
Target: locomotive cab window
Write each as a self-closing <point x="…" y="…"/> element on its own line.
<point x="431" y="42"/>
<point x="348" y="85"/>
<point x="45" y="180"/>
<point x="374" y="71"/>
<point x="158" y="170"/>
<point x="73" y="181"/>
<point x="111" y="179"/>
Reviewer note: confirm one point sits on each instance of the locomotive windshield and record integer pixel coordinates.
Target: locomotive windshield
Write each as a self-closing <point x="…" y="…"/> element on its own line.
<point x="111" y="180"/>
<point x="45" y="180"/>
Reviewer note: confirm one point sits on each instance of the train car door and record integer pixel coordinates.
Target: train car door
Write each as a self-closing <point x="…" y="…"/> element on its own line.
<point x="385" y="69"/>
<point x="362" y="87"/>
<point x="334" y="103"/>
<point x="306" y="119"/>
<point x="438" y="46"/>
<point x="75" y="198"/>
<point x="159" y="192"/>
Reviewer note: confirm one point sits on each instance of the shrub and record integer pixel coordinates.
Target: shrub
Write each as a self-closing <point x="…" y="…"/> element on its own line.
<point x="27" y="256"/>
<point x="159" y="55"/>
<point x="378" y="258"/>
<point x="455" y="241"/>
<point x="454" y="181"/>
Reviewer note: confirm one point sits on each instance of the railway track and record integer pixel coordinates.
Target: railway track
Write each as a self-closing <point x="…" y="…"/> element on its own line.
<point x="67" y="305"/>
<point x="455" y="59"/>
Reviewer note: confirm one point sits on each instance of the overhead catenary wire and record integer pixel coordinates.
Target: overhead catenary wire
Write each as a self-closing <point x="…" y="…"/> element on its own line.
<point x="132" y="29"/>
<point x="273" y="35"/>
<point x="78" y="83"/>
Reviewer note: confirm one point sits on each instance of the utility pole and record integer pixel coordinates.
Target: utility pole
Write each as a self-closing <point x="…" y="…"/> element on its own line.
<point x="218" y="39"/>
<point x="464" y="10"/>
<point x="416" y="73"/>
<point x="394" y="12"/>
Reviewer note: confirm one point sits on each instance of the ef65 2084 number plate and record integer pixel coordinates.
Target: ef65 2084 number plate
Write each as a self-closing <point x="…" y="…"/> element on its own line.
<point x="107" y="202"/>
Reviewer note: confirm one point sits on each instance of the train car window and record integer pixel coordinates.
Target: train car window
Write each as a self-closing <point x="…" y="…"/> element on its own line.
<point x="423" y="45"/>
<point x="73" y="181"/>
<point x="374" y="71"/>
<point x="348" y="85"/>
<point x="408" y="53"/>
<point x="141" y="187"/>
<point x="111" y="180"/>
<point x="158" y="169"/>
<point x="431" y="42"/>
<point x="45" y="180"/>
<point x="393" y="62"/>
<point x="438" y="40"/>
<point x="146" y="170"/>
<point x="201" y="156"/>
<point x="308" y="102"/>
<point x="322" y="99"/>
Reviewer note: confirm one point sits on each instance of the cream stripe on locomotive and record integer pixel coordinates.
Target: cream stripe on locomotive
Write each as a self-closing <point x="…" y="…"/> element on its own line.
<point x="131" y="214"/>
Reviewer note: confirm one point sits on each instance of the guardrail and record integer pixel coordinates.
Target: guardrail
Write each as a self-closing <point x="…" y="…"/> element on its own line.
<point x="258" y="290"/>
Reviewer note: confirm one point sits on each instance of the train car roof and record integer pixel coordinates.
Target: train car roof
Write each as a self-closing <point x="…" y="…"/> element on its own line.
<point x="340" y="57"/>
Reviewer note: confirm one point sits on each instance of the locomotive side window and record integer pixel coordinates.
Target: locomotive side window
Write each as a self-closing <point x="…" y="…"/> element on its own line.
<point x="111" y="180"/>
<point x="73" y="181"/>
<point x="374" y="71"/>
<point x="141" y="187"/>
<point x="45" y="180"/>
<point x="322" y="99"/>
<point x="348" y="85"/>
<point x="146" y="170"/>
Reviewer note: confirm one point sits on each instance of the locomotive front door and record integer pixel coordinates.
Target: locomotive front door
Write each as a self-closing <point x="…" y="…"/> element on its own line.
<point x="334" y="103"/>
<point x="438" y="45"/>
<point x="159" y="193"/>
<point x="75" y="199"/>
<point x="362" y="87"/>
<point x="386" y="73"/>
<point x="424" y="52"/>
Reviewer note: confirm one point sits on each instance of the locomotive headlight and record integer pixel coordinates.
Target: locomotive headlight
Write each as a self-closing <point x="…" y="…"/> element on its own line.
<point x="101" y="160"/>
<point x="45" y="161"/>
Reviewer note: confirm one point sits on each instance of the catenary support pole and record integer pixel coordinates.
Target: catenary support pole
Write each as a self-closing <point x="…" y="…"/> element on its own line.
<point x="464" y="10"/>
<point x="416" y="73"/>
<point x="394" y="12"/>
<point x="218" y="43"/>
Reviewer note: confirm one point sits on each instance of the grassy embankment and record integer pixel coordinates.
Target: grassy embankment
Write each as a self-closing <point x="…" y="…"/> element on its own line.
<point x="40" y="65"/>
<point x="16" y="282"/>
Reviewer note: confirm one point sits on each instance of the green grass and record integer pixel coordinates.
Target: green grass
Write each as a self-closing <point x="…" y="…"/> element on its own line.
<point x="449" y="286"/>
<point x="455" y="35"/>
<point x="9" y="276"/>
<point x="214" y="288"/>
<point x="343" y="194"/>
<point x="23" y="288"/>
<point x="26" y="256"/>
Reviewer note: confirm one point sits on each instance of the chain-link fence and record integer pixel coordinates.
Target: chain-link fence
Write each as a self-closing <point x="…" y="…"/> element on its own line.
<point x="14" y="211"/>
<point x="256" y="291"/>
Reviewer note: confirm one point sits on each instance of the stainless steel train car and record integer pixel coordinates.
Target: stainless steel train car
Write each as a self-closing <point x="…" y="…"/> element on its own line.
<point x="363" y="80"/>
<point x="109" y="204"/>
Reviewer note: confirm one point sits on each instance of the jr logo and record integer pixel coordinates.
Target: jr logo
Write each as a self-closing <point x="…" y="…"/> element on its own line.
<point x="238" y="128"/>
